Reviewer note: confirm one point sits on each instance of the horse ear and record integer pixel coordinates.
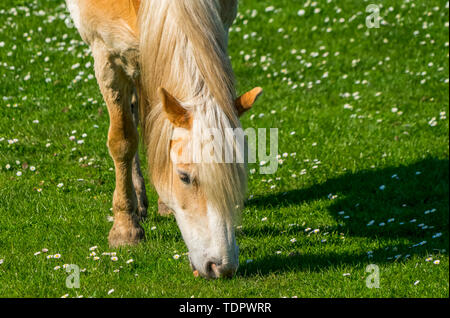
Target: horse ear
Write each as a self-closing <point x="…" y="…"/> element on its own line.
<point x="177" y="114"/>
<point x="246" y="101"/>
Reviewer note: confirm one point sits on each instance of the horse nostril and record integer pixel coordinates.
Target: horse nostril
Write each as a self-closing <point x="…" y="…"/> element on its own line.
<point x="220" y="271"/>
<point x="210" y="269"/>
<point x="227" y="272"/>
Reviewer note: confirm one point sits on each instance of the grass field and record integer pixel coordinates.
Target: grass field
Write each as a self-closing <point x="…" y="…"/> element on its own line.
<point x="363" y="127"/>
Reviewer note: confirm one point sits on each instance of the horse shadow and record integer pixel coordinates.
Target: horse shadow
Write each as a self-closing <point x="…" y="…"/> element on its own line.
<point x="406" y="204"/>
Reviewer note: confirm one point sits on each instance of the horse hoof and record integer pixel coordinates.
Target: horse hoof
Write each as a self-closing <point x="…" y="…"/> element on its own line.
<point x="125" y="231"/>
<point x="142" y="213"/>
<point x="142" y="206"/>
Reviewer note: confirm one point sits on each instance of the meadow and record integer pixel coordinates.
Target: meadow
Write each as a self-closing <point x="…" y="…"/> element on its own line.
<point x="363" y="172"/>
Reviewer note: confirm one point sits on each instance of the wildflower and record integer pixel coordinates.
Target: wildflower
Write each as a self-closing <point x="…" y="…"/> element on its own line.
<point x="432" y="122"/>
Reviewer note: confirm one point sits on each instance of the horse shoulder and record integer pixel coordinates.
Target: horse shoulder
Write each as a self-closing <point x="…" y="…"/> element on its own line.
<point x="113" y="25"/>
<point x="113" y="21"/>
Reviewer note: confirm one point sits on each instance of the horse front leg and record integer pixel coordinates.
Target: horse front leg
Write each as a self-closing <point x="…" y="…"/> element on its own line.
<point x="138" y="179"/>
<point x="117" y="90"/>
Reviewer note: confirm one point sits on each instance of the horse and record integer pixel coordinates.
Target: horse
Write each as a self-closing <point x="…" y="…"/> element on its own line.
<point x="163" y="65"/>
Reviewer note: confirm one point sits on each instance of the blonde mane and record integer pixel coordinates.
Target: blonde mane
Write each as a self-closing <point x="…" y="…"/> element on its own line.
<point x="183" y="48"/>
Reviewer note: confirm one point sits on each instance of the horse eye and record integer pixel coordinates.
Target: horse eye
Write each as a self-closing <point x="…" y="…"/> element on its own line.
<point x="184" y="177"/>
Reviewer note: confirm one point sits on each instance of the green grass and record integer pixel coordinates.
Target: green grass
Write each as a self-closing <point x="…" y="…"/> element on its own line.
<point x="360" y="147"/>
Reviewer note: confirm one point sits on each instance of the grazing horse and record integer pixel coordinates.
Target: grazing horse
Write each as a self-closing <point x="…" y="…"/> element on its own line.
<point x="163" y="64"/>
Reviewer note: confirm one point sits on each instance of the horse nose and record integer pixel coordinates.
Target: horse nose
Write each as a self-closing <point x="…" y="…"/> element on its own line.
<point x="221" y="270"/>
